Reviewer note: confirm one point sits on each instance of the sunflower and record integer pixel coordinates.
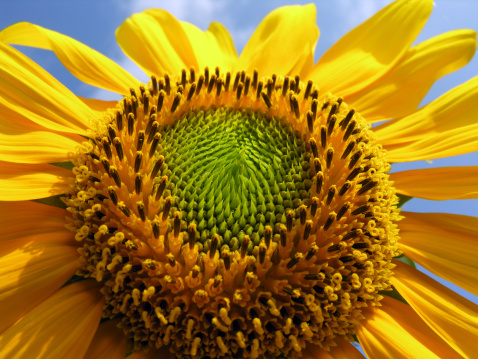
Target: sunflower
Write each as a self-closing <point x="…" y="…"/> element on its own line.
<point x="237" y="206"/>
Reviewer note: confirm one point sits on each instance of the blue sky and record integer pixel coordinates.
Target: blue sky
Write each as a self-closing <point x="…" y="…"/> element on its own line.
<point x="94" y="23"/>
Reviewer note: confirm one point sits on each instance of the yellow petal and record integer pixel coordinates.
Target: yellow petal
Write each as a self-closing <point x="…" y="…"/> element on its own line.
<point x="12" y="123"/>
<point x="451" y="316"/>
<point x="372" y="49"/>
<point x="60" y="327"/>
<point x="82" y="61"/>
<point x="283" y="43"/>
<point x="29" y="90"/>
<point x="19" y="181"/>
<point x="401" y="90"/>
<point x="438" y="183"/>
<point x="454" y="109"/>
<point x="345" y="350"/>
<point x="98" y="105"/>
<point x="159" y="43"/>
<point x="443" y="243"/>
<point x="33" y="265"/>
<point x="396" y="331"/>
<point x="446" y="144"/>
<point x="38" y="147"/>
<point x="108" y="342"/>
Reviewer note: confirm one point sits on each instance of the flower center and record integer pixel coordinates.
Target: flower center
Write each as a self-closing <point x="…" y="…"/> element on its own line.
<point x="234" y="218"/>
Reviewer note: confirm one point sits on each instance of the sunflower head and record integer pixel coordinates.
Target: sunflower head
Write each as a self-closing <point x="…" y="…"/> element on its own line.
<point x="234" y="214"/>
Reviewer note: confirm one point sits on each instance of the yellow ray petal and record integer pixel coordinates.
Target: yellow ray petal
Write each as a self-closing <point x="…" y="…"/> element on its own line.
<point x="32" y="268"/>
<point x="446" y="144"/>
<point x="370" y="50"/>
<point x="283" y="43"/>
<point x="60" y="327"/>
<point x="401" y="90"/>
<point x="396" y="331"/>
<point x="345" y="350"/>
<point x="19" y="182"/>
<point x="314" y="352"/>
<point x="454" y="109"/>
<point x="13" y="123"/>
<point x="443" y="243"/>
<point x="25" y="219"/>
<point x="38" y="147"/>
<point x="108" y="342"/>
<point x="82" y="61"/>
<point x="451" y="316"/>
<point x="29" y="90"/>
<point x="98" y="105"/>
<point x="438" y="183"/>
<point x="159" y="43"/>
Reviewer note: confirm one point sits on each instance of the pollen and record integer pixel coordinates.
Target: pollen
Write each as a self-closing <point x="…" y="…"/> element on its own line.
<point x="234" y="215"/>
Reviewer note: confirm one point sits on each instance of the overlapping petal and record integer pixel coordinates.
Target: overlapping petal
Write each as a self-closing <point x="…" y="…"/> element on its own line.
<point x="372" y="49"/>
<point x="452" y="317"/>
<point x="108" y="342"/>
<point x="82" y="61"/>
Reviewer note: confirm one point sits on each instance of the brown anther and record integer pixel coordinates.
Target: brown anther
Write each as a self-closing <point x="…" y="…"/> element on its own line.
<point x="167" y="84"/>
<point x="218" y="87"/>
<point x="343" y="210"/>
<point x="119" y="120"/>
<point x="345" y="188"/>
<point x="353" y="174"/>
<point x="310" y="121"/>
<point x="349" y="130"/>
<point x="160" y="85"/>
<point x="262" y="253"/>
<point x="317" y="165"/>
<point x="266" y="99"/>
<point x="285" y="86"/>
<point x="113" y="195"/>
<point x="199" y="85"/>
<point x="334" y="248"/>
<point x="161" y="187"/>
<point x="161" y="97"/>
<point x="314" y="204"/>
<point x="245" y="245"/>
<point x="140" y="143"/>
<point x="363" y="208"/>
<point x="329" y="157"/>
<point x="195" y="271"/>
<point x="122" y="207"/>
<point x="348" y="149"/>
<point x="312" y="276"/>
<point x="311" y="252"/>
<point x="226" y="257"/>
<point x="192" y="235"/>
<point x="132" y="92"/>
<point x="331" y="125"/>
<point x="191" y="91"/>
<point x="119" y="148"/>
<point x="239" y="91"/>
<point x="206" y="75"/>
<point x="183" y="78"/>
<point x="154" y="84"/>
<point x="236" y="81"/>
<point x="130" y="124"/>
<point x="211" y="84"/>
<point x="307" y="229"/>
<point x="332" y="112"/>
<point x="354" y="159"/>
<point x="138" y="183"/>
<point x="330" y="220"/>
<point x="360" y="245"/>
<point x="227" y="82"/>
<point x="283" y="235"/>
<point x="192" y="75"/>
<point x="107" y="147"/>
<point x="308" y="89"/>
<point x="323" y="136"/>
<point x="313" y="107"/>
<point x="176" y="223"/>
<point x="270" y="87"/>
<point x="151" y="130"/>
<point x="255" y="77"/>
<point x="154" y="144"/>
<point x="213" y="245"/>
<point x="274" y="79"/>
<point x="294" y="104"/>
<point x="330" y="194"/>
<point x="106" y="165"/>
<point x="115" y="175"/>
<point x="137" y="161"/>
<point x="243" y="76"/>
<point x="157" y="165"/>
<point x="325" y="105"/>
<point x="171" y="259"/>
<point x="367" y="187"/>
<point x="294" y="260"/>
<point x="318" y="182"/>
<point x="289" y="220"/>
<point x="275" y="259"/>
<point x="216" y="71"/>
<point x="167" y="207"/>
<point x="141" y="210"/>
<point x="111" y="132"/>
<point x="313" y="147"/>
<point x="302" y="214"/>
<point x="267" y="235"/>
<point x="297" y="82"/>
<point x="176" y="100"/>
<point x="344" y="123"/>
<point x="247" y="84"/>
<point x="145" y="103"/>
<point x="350" y="235"/>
